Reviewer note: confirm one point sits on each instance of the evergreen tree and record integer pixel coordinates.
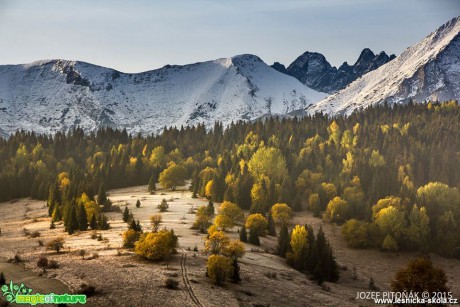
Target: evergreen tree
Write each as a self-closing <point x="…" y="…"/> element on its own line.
<point x="103" y="223"/>
<point x="101" y="196"/>
<point x="271" y="226"/>
<point x="93" y="222"/>
<point x="152" y="186"/>
<point x="283" y="241"/>
<point x="253" y="237"/>
<point x="82" y="219"/>
<point x="72" y="221"/>
<point x="126" y="214"/>
<point x="243" y="234"/>
<point x="210" y="208"/>
<point x="138" y="203"/>
<point x="52" y="226"/>
<point x="236" y="278"/>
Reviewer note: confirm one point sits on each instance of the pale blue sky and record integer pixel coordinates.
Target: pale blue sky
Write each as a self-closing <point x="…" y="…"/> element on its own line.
<point x="134" y="36"/>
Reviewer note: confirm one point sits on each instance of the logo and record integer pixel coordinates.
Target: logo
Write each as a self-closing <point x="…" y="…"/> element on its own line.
<point x="21" y="294"/>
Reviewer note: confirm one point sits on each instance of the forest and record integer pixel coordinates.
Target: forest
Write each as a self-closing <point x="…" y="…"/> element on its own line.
<point x="388" y="174"/>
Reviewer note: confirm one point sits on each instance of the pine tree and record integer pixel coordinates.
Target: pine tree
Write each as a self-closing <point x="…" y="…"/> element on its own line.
<point x="138" y="226"/>
<point x="57" y="214"/>
<point x="253" y="237"/>
<point x="138" y="203"/>
<point x="271" y="226"/>
<point x="210" y="208"/>
<point x="243" y="234"/>
<point x="101" y="196"/>
<point x="72" y="221"/>
<point x="103" y="223"/>
<point x="82" y="219"/>
<point x="126" y="214"/>
<point x="93" y="222"/>
<point x="236" y="278"/>
<point x="152" y="186"/>
<point x="283" y="241"/>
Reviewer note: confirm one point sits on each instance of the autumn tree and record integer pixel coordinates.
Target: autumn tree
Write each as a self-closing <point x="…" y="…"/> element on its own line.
<point x="202" y="219"/>
<point x="173" y="176"/>
<point x="281" y="213"/>
<point x="419" y="276"/>
<point x="155" y="221"/>
<point x="257" y="224"/>
<point x="336" y="211"/>
<point x="156" y="245"/>
<point x="216" y="243"/>
<point x="130" y="237"/>
<point x="231" y="210"/>
<point x="219" y="268"/>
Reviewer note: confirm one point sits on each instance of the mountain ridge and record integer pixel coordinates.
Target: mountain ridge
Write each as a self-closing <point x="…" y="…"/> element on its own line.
<point x="428" y="70"/>
<point x="55" y="95"/>
<point x="313" y="69"/>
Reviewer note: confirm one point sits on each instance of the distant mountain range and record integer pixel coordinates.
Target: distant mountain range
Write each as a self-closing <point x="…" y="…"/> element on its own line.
<point x="57" y="95"/>
<point x="429" y="70"/>
<point x="313" y="70"/>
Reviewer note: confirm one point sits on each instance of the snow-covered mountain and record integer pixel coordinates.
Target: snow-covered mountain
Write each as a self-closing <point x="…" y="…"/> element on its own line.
<point x="56" y="95"/>
<point x="313" y="70"/>
<point x="429" y="70"/>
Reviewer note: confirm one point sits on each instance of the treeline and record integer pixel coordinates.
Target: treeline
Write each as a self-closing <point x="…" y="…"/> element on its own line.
<point x="391" y="170"/>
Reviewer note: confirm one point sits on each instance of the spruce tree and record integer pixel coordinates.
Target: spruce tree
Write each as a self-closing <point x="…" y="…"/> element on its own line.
<point x="138" y="203"/>
<point x="152" y="186"/>
<point x="138" y="226"/>
<point x="236" y="278"/>
<point x="126" y="214"/>
<point x="103" y="223"/>
<point x="72" y="220"/>
<point x="283" y="241"/>
<point x="210" y="208"/>
<point x="82" y="219"/>
<point x="243" y="234"/>
<point x="271" y="226"/>
<point x="253" y="237"/>
<point x="101" y="196"/>
<point x="93" y="222"/>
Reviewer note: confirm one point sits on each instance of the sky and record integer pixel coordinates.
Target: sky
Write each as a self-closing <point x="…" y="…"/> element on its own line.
<point x="139" y="35"/>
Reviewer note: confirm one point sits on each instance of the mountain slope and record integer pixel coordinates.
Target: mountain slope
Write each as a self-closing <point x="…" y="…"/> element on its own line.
<point x="429" y="70"/>
<point x="313" y="70"/>
<point x="50" y="96"/>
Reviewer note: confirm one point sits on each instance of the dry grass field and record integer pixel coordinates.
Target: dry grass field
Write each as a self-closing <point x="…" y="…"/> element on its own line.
<point x="123" y="279"/>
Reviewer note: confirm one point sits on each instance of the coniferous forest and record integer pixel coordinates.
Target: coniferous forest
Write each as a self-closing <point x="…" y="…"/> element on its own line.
<point x="388" y="174"/>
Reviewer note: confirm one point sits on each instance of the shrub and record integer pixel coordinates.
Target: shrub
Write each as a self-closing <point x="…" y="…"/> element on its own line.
<point x="42" y="262"/>
<point x="219" y="268"/>
<point x="56" y="244"/>
<point x="130" y="237"/>
<point x="53" y="264"/>
<point x="156" y="246"/>
<point x="163" y="206"/>
<point x="171" y="283"/>
<point x="155" y="221"/>
<point x="40" y="243"/>
<point x="87" y="290"/>
<point x="35" y="234"/>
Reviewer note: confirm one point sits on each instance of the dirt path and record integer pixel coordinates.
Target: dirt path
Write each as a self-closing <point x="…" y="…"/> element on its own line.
<point x="38" y="284"/>
<point x="186" y="281"/>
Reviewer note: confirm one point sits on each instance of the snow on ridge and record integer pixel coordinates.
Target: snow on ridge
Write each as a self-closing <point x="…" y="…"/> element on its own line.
<point x="54" y="95"/>
<point x="396" y="81"/>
